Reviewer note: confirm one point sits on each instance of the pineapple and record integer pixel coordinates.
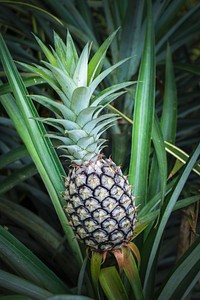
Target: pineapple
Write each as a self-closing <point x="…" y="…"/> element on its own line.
<point x="98" y="196"/>
<point x="100" y="204"/>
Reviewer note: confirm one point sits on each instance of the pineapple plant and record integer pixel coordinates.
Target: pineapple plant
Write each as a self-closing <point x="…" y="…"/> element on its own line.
<point x="99" y="200"/>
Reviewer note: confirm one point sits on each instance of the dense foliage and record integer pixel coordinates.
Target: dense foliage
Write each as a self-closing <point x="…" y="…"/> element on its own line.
<point x="156" y="141"/>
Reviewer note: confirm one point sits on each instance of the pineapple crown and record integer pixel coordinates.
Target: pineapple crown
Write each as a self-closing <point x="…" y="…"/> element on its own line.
<point x="75" y="79"/>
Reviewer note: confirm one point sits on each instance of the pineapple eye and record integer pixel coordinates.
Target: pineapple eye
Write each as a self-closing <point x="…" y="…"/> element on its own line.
<point x="92" y="204"/>
<point x="100" y="235"/>
<point x="118" y="212"/>
<point x="109" y="224"/>
<point x="67" y="181"/>
<point x="125" y="224"/>
<point x="129" y="190"/>
<point x="93" y="181"/>
<point x="76" y="201"/>
<point x="91" y="243"/>
<point x="109" y="170"/>
<point x="80" y="179"/>
<point x="119" y="180"/>
<point x="131" y="212"/>
<point x="69" y="209"/>
<point x="72" y="188"/>
<point x="85" y="192"/>
<point x="99" y="215"/>
<point x="81" y="232"/>
<point x="82" y="212"/>
<point x="117" y="236"/>
<point x="66" y="194"/>
<point x="90" y="224"/>
<point x="107" y="181"/>
<point x="109" y="203"/>
<point x="101" y="193"/>
<point x="125" y="201"/>
<point x="75" y="220"/>
<point x="129" y="235"/>
<point x="117" y="192"/>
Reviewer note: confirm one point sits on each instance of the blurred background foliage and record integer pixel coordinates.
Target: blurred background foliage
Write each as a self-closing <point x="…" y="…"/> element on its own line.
<point x="25" y="207"/>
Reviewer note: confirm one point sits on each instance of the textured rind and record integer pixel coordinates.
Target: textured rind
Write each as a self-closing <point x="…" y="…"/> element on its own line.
<point x="100" y="205"/>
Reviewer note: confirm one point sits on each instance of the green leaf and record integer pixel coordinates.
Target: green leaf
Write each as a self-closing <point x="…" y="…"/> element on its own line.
<point x="165" y="214"/>
<point x="105" y="73"/>
<point x="16" y="177"/>
<point x="45" y="235"/>
<point x="184" y="20"/>
<point x="27" y="265"/>
<point x="80" y="75"/>
<point x="144" y="219"/>
<point x="181" y="156"/>
<point x="55" y="107"/>
<point x="194" y="69"/>
<point x="158" y="173"/>
<point x="69" y="297"/>
<point x="169" y="112"/>
<point x="95" y="266"/>
<point x="22" y="112"/>
<point x="80" y="99"/>
<point x="16" y="284"/>
<point x="100" y="98"/>
<point x="167" y="16"/>
<point x="12" y="156"/>
<point x="49" y="78"/>
<point x="96" y="62"/>
<point x="28" y="81"/>
<point x="132" y="38"/>
<point x="15" y="297"/>
<point x="143" y="116"/>
<point x="46" y="51"/>
<point x="66" y="83"/>
<point x="184" y="276"/>
<point x="82" y="276"/>
<point x="112" y="285"/>
<point x="34" y="7"/>
<point x="131" y="270"/>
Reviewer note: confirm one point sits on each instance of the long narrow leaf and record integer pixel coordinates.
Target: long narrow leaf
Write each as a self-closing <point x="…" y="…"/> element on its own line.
<point x="178" y="284"/>
<point x="169" y="112"/>
<point x="158" y="175"/>
<point x="112" y="284"/>
<point x="69" y="297"/>
<point x="166" y="211"/>
<point x="16" y="284"/>
<point x="30" y="267"/>
<point x="40" y="148"/>
<point x="132" y="38"/>
<point x="132" y="273"/>
<point x="20" y="175"/>
<point x="15" y="297"/>
<point x="12" y="156"/>
<point x="143" y="116"/>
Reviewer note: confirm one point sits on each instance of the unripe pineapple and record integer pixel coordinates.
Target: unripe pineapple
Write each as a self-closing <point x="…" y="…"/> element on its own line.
<point x="98" y="196"/>
<point x="100" y="204"/>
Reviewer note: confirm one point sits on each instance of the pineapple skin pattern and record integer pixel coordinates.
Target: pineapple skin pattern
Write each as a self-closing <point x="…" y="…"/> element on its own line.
<point x="98" y="197"/>
<point x="100" y="205"/>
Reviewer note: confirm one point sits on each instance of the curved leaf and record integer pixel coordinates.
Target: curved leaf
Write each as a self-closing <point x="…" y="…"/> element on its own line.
<point x="16" y="284"/>
<point x="182" y="279"/>
<point x="165" y="214"/>
<point x="25" y="263"/>
<point x="22" y="112"/>
<point x="112" y="284"/>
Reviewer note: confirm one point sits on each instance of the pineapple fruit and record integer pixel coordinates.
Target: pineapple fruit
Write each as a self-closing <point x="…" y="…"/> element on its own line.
<point x="100" y="204"/>
<point x="98" y="196"/>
